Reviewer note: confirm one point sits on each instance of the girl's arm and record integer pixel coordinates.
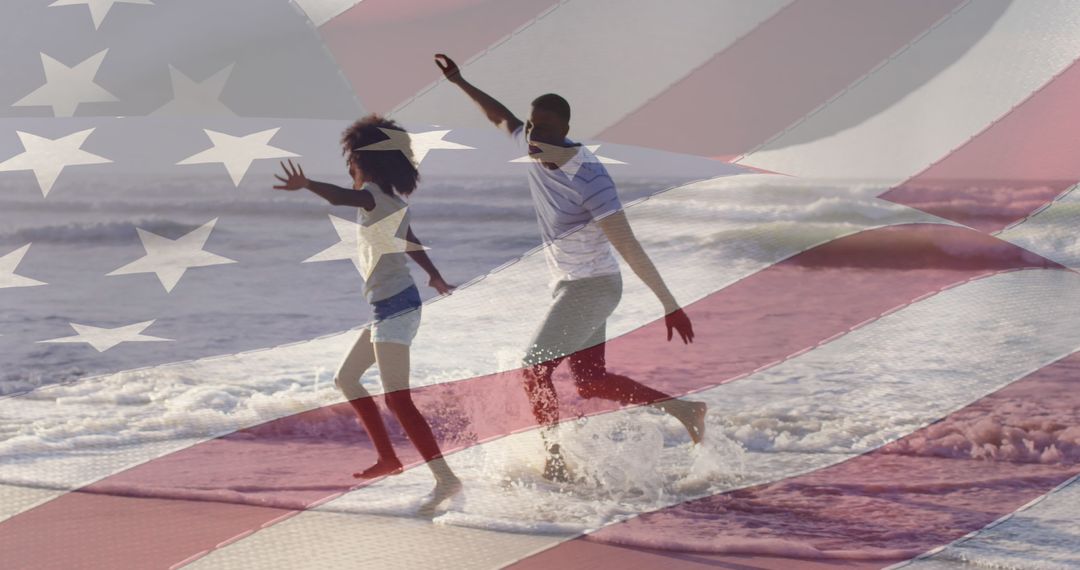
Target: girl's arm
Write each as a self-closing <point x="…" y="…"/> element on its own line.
<point x="421" y="258"/>
<point x="339" y="196"/>
<point x="336" y="195"/>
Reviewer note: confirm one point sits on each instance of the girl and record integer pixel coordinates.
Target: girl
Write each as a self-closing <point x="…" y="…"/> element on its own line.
<point x="381" y="179"/>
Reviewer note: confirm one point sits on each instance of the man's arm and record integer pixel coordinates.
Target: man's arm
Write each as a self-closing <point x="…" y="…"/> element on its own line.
<point x="435" y="279"/>
<point x="618" y="231"/>
<point x="336" y="195"/>
<point x="496" y="112"/>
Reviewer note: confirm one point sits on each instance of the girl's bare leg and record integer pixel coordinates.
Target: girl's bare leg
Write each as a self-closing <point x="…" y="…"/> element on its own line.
<point x="359" y="359"/>
<point x="393" y="360"/>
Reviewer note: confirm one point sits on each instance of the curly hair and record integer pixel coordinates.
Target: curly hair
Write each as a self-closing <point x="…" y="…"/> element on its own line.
<point x="391" y="170"/>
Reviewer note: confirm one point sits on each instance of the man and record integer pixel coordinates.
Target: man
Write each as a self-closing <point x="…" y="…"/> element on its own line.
<point x="580" y="217"/>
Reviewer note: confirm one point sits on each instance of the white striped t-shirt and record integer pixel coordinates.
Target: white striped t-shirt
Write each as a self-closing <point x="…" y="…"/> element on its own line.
<point x="567" y="201"/>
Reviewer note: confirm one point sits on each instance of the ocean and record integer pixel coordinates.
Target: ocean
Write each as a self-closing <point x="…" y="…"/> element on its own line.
<point x="259" y="340"/>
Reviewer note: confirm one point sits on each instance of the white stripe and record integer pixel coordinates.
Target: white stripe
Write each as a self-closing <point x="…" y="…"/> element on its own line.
<point x="1032" y="42"/>
<point x="19" y="498"/>
<point x="1052" y="231"/>
<point x="912" y="367"/>
<point x="322" y="11"/>
<point x="1042" y="534"/>
<point x="334" y="540"/>
<point x="607" y="56"/>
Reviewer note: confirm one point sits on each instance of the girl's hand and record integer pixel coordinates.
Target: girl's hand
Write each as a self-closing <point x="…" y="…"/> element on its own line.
<point x="296" y="179"/>
<point x="440" y="285"/>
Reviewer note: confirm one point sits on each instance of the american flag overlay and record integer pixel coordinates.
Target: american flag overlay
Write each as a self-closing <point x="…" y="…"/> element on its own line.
<point x="865" y="208"/>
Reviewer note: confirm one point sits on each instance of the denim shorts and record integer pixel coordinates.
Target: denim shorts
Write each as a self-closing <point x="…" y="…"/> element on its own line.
<point x="397" y="317"/>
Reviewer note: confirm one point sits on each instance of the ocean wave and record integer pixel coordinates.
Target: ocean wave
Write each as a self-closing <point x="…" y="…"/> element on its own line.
<point x="1023" y="438"/>
<point x="751" y="546"/>
<point x="98" y="233"/>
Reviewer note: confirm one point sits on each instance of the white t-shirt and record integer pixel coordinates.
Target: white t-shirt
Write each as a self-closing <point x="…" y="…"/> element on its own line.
<point x="390" y="275"/>
<point x="568" y="200"/>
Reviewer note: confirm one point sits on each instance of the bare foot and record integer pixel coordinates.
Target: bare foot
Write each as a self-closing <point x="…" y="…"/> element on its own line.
<point x="555" y="468"/>
<point x="692" y="416"/>
<point x="381" y="468"/>
<point x="444" y="490"/>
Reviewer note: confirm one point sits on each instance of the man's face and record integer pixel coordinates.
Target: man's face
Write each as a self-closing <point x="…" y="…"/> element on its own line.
<point x="546" y="127"/>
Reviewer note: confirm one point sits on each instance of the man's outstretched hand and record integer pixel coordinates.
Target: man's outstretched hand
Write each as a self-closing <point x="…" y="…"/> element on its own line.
<point x="678" y="321"/>
<point x="449" y="68"/>
<point x="296" y="179"/>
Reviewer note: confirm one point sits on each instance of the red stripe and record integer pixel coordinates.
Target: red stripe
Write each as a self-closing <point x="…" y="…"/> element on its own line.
<point x="777" y="74"/>
<point x="906" y="496"/>
<point x="385" y="47"/>
<point x="288" y="464"/>
<point x="1012" y="168"/>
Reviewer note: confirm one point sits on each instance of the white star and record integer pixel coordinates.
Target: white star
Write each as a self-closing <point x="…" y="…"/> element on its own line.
<point x="8" y="263"/>
<point x="364" y="245"/>
<point x="169" y="258"/>
<point x="421" y="143"/>
<point x="237" y="153"/>
<point x="99" y="8"/>
<point x="48" y="157"/>
<point x="567" y="156"/>
<point x="103" y="339"/>
<point x="193" y="98"/>
<point x="65" y="87"/>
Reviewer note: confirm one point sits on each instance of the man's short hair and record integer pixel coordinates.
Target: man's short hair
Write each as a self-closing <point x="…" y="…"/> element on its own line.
<point x="553" y="103"/>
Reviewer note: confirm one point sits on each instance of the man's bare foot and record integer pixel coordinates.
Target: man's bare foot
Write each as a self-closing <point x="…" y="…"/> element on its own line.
<point x="555" y="468"/>
<point x="381" y="468"/>
<point x="444" y="490"/>
<point x="692" y="416"/>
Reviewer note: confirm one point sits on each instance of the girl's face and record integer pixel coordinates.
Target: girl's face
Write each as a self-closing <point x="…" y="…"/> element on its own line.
<point x="355" y="173"/>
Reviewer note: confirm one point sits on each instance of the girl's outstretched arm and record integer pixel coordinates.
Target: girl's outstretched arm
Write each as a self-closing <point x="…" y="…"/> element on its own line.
<point x="421" y="258"/>
<point x="336" y="195"/>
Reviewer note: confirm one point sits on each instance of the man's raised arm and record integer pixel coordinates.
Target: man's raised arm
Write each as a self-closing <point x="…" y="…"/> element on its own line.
<point x="496" y="112"/>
